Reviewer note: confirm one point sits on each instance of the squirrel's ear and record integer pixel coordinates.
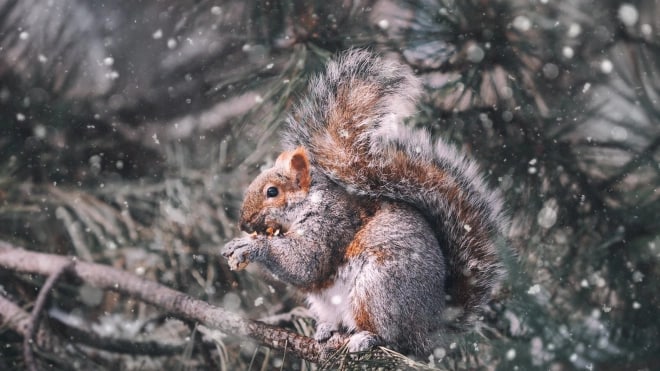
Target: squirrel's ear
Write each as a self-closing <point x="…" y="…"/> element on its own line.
<point x="299" y="165"/>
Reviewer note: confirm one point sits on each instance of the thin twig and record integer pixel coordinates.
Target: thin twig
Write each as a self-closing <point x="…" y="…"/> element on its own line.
<point x="13" y="316"/>
<point x="33" y="324"/>
<point x="634" y="163"/>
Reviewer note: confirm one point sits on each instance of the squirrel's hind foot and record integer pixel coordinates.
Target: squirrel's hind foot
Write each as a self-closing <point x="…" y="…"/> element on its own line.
<point x="324" y="332"/>
<point x="363" y="341"/>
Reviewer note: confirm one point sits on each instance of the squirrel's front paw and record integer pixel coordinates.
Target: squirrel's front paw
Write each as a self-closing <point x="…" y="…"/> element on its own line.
<point x="240" y="252"/>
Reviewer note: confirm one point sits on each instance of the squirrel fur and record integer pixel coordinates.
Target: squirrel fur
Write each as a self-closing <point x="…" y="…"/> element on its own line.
<point x="392" y="237"/>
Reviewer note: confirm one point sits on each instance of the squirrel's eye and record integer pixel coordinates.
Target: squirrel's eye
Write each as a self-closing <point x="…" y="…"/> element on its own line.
<point x="272" y="192"/>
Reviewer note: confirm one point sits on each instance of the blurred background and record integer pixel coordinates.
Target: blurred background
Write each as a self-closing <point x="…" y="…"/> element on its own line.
<point x="129" y="129"/>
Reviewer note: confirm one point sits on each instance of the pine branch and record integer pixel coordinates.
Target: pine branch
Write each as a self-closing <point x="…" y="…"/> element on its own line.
<point x="172" y="301"/>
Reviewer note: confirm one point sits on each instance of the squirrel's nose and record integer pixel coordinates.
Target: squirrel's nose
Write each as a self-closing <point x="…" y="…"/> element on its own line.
<point x="245" y="224"/>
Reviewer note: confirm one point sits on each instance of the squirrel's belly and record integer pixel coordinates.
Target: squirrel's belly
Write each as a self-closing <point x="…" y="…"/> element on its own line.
<point x="334" y="303"/>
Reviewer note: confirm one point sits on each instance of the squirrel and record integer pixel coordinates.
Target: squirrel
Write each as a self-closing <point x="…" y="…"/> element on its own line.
<point x="394" y="239"/>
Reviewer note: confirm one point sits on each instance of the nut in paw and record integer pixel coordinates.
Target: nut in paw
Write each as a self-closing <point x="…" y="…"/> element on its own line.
<point x="237" y="253"/>
<point x="237" y="265"/>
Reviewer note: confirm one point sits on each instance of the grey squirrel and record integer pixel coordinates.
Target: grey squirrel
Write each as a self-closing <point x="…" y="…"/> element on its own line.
<point x="391" y="237"/>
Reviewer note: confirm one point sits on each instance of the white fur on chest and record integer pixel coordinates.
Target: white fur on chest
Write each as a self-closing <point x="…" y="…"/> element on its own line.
<point x="333" y="305"/>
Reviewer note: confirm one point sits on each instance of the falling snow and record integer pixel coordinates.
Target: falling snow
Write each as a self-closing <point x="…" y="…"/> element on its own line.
<point x="628" y="14"/>
<point x="522" y="23"/>
<point x="535" y="289"/>
<point x="606" y="66"/>
<point x="547" y="217"/>
<point x="475" y="53"/>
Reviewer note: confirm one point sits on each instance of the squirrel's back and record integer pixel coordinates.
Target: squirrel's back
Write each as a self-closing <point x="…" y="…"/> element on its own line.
<point x="350" y="123"/>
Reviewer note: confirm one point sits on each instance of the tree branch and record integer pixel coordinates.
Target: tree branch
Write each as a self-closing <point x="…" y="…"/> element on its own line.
<point x="172" y="301"/>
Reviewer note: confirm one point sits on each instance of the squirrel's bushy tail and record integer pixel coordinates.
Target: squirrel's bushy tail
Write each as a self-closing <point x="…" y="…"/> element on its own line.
<point x="351" y="123"/>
